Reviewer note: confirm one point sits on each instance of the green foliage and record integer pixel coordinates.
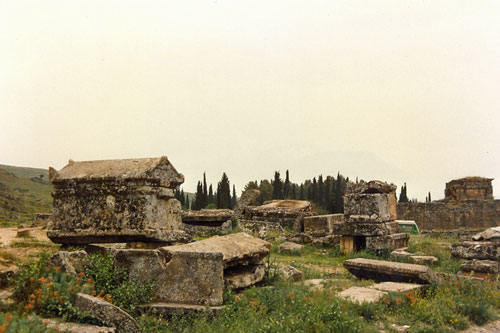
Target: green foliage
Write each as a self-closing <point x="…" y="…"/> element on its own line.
<point x="370" y="311"/>
<point x="432" y="247"/>
<point x="113" y="281"/>
<point x="47" y="291"/>
<point x="271" y="271"/>
<point x="283" y="308"/>
<point x="224" y="193"/>
<point x="14" y="323"/>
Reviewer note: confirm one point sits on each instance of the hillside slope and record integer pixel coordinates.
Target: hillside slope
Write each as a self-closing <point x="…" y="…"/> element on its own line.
<point x="23" y="192"/>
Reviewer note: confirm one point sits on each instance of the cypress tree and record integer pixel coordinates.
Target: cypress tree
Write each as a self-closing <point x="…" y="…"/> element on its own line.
<point x="198" y="199"/>
<point x="211" y="198"/>
<point x="233" y="199"/>
<point x="205" y="190"/>
<point x="277" y="186"/>
<point x="224" y="193"/>
<point x="286" y="186"/>
<point x="187" y="204"/>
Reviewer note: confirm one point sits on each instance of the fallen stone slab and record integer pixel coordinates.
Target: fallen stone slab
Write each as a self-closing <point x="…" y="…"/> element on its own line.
<point x="394" y="241"/>
<point x="290" y="247"/>
<point x="108" y="313"/>
<point x="62" y="326"/>
<point x="248" y="198"/>
<point x="242" y="257"/>
<point x="480" y="266"/>
<point x="400" y="255"/>
<point x="315" y="284"/>
<point x="396" y="286"/>
<point x="488" y="234"/>
<point x="176" y="308"/>
<point x="381" y="271"/>
<point x="235" y="248"/>
<point x="362" y="294"/>
<point x="483" y="250"/>
<point x="423" y="260"/>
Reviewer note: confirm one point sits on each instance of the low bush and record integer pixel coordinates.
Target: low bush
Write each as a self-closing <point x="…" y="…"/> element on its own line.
<point x="113" y="283"/>
<point x="13" y="323"/>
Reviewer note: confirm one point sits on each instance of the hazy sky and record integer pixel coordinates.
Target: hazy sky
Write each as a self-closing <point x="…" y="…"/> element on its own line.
<point x="392" y="90"/>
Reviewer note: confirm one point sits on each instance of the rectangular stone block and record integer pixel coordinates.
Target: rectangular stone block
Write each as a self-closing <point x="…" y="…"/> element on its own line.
<point x="480" y="266"/>
<point x="394" y="241"/>
<point x="366" y="229"/>
<point x="476" y="250"/>
<point x="191" y="278"/>
<point x="380" y="271"/>
<point x="322" y="224"/>
<point x="371" y="207"/>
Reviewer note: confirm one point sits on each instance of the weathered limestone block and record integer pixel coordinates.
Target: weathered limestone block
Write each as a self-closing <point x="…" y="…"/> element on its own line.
<point x="373" y="186"/>
<point x="248" y="198"/>
<point x="41" y="219"/>
<point x="290" y="272"/>
<point x="321" y="225"/>
<point x="143" y="265"/>
<point x="401" y="287"/>
<point x="285" y="213"/>
<point x="400" y="255"/>
<point x="394" y="241"/>
<point x="476" y="250"/>
<point x="207" y="222"/>
<point x="108" y="313"/>
<point x="381" y="271"/>
<point x="469" y="188"/>
<point x="70" y="262"/>
<point x="191" y="278"/>
<point x="326" y="241"/>
<point x="362" y="294"/>
<point x="480" y="266"/>
<point x="116" y="201"/>
<point x="242" y="255"/>
<point x="489" y="234"/>
<point x="366" y="229"/>
<point x="423" y="260"/>
<point x="376" y="207"/>
<point x="290" y="247"/>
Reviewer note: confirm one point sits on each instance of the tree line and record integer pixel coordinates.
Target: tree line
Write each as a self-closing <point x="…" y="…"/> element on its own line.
<point x="325" y="192"/>
<point x="206" y="198"/>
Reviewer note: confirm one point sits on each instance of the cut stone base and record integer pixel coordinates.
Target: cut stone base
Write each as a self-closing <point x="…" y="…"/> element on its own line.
<point x="394" y="241"/>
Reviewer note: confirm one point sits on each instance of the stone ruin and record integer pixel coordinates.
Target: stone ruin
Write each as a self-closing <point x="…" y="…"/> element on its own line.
<point x="468" y="207"/>
<point x="277" y="215"/>
<point x="370" y="218"/>
<point x="469" y="188"/>
<point x="481" y="252"/>
<point x="207" y="222"/>
<point x="131" y="202"/>
<point x="114" y="201"/>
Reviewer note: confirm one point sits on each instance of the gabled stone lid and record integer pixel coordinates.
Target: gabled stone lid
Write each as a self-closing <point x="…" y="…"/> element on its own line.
<point x="158" y="168"/>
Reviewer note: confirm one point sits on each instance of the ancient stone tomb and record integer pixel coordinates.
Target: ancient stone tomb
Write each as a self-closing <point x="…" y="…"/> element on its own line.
<point x="370" y="218"/>
<point x="108" y="201"/>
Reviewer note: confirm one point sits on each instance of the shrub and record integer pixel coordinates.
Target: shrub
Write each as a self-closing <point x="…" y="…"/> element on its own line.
<point x="113" y="283"/>
<point x="13" y="323"/>
<point x="369" y="311"/>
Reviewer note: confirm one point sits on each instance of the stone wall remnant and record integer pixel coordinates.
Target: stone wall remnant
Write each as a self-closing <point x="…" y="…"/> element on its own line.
<point x="468" y="205"/>
<point x="113" y="201"/>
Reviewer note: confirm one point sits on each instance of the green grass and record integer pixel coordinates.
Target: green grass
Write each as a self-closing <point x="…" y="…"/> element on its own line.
<point x="20" y="196"/>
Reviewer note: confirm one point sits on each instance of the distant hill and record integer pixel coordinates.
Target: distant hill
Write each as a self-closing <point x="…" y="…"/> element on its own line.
<point x="23" y="192"/>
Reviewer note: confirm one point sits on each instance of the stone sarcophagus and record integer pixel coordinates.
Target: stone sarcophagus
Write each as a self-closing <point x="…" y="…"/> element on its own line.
<point x="112" y="201"/>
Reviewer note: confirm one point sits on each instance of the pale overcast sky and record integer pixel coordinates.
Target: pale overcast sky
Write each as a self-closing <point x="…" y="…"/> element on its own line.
<point x="392" y="90"/>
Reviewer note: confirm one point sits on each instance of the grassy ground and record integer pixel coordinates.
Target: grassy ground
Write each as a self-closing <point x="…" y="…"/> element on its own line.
<point x="287" y="306"/>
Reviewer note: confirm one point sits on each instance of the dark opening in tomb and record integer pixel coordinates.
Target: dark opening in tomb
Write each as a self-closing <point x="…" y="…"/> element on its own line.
<point x="359" y="243"/>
